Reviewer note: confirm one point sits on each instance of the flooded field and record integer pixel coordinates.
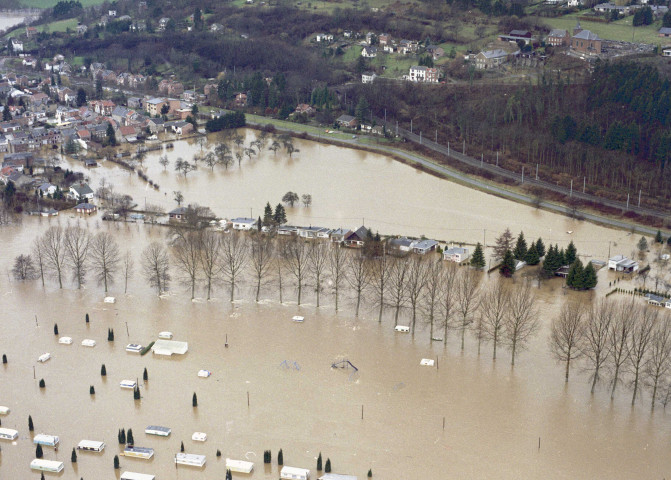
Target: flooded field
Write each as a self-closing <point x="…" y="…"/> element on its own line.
<point x="464" y="418"/>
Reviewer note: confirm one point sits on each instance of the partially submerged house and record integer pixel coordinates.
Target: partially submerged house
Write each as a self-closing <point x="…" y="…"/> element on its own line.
<point x="620" y="263"/>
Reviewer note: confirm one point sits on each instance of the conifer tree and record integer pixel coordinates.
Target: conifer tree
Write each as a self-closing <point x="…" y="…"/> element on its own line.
<point x="103" y="371"/>
<point x="508" y="265"/>
<point x="280" y="215"/>
<point x="478" y="258"/>
<point x="129" y="437"/>
<point x="55" y="329"/>
<point x="520" y="247"/>
<point x="145" y="375"/>
<point x="319" y="462"/>
<point x="30" y="424"/>
<point x="589" y="277"/>
<point x="561" y="257"/>
<point x="73" y="456"/>
<point x="540" y="247"/>
<point x="658" y="237"/>
<point x="116" y="462"/>
<point x="122" y="436"/>
<point x="38" y="451"/>
<point x="570" y="254"/>
<point x="532" y="257"/>
<point x="327" y="467"/>
<point x="268" y="215"/>
<point x="574" y="279"/>
<point x="280" y="457"/>
<point x="503" y="244"/>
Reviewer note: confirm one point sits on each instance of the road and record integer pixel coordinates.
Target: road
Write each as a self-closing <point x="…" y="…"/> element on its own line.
<point x="481" y="185"/>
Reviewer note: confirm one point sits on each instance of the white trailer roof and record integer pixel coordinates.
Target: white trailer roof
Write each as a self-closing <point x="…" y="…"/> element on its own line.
<point x="90" y="444"/>
<point x="169" y="347"/>
<point x="136" y="476"/>
<point x="239" y="466"/>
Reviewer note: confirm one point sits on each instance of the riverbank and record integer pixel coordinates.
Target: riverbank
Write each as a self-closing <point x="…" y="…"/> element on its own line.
<point x="401" y="153"/>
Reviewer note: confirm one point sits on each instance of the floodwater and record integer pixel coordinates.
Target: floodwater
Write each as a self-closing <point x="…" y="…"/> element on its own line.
<point x="7" y="21"/>
<point x="468" y="418"/>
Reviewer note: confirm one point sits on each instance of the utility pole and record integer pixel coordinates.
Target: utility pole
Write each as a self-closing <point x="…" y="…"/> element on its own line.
<point x="464" y="148"/>
<point x="584" y="179"/>
<point x="497" y="158"/>
<point x="536" y="171"/>
<point x="522" y="173"/>
<point x="448" y="149"/>
<point x="420" y="137"/>
<point x="627" y="201"/>
<point x="482" y="159"/>
<point x="411" y="125"/>
<point x="571" y="194"/>
<point x="436" y="141"/>
<point x="639" y="198"/>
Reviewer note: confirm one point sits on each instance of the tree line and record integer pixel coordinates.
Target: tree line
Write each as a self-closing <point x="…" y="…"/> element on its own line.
<point x="619" y="343"/>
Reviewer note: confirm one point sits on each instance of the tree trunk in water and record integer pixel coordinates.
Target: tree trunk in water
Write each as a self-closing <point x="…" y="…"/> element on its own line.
<point x="379" y="316"/>
<point x="209" y="288"/>
<point x="463" y="334"/>
<point x="300" y="287"/>
<point x="398" y="307"/>
<point x="568" y="366"/>
<point x="596" y="376"/>
<point x="612" y="392"/>
<point x="512" y="360"/>
<point x="654" y="394"/>
<point x="279" y="275"/>
<point x="496" y="337"/>
<point x="318" y="285"/>
<point x="232" y="291"/>
<point x="358" y="302"/>
<point x="336" y="299"/>
<point x="258" y="289"/>
<point x="633" y="397"/>
<point x="193" y="289"/>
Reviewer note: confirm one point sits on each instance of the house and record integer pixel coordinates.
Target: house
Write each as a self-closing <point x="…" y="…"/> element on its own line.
<point x="609" y="7"/>
<point x="384" y="39"/>
<point x="664" y="32"/>
<point x="178" y="214"/>
<point x="313" y="232"/>
<point x="586" y="42"/>
<point x="423" y="246"/>
<point x="153" y="106"/>
<point x="368" y="77"/>
<point x="667" y="303"/>
<point x="666" y="52"/>
<point x="620" y="263"/>
<point x="16" y="46"/>
<point x="517" y="36"/>
<point x="490" y="59"/>
<point x="456" y="254"/>
<point x="305" y="108"/>
<point x="399" y="245"/>
<point x="244" y="223"/>
<point x="369" y="52"/>
<point x="47" y="189"/>
<point x="435" y="51"/>
<point x="423" y="74"/>
<point x="287" y="230"/>
<point x="356" y="238"/>
<point x="407" y="46"/>
<point x="346" y="121"/>
<point x="139" y="26"/>
<point x="163" y="23"/>
<point x="182" y="128"/>
<point x="81" y="29"/>
<point x="102" y="107"/>
<point x="216" y="27"/>
<point x="655" y="300"/>
<point x="86" y="208"/>
<point x="336" y="476"/>
<point x="81" y="191"/>
<point x="558" y="38"/>
<point x="324" y="37"/>
<point x="241" y="99"/>
<point x="338" y="235"/>
<point x="31" y="31"/>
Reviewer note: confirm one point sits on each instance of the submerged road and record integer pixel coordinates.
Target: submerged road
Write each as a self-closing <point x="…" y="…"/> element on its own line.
<point x="477" y="183"/>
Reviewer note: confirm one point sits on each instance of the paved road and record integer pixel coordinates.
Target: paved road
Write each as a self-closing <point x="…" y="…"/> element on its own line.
<point x="481" y="185"/>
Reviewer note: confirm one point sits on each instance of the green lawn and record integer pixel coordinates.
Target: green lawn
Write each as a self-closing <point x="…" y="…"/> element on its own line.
<point x="621" y="30"/>
<point x="297" y="127"/>
<point x="59" y="26"/>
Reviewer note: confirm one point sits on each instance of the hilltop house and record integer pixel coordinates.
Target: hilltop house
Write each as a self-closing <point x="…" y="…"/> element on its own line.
<point x="490" y="59"/>
<point x="586" y="42"/>
<point x="559" y="38"/>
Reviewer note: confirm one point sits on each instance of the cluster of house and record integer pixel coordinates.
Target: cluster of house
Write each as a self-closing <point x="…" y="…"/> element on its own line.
<point x="657" y="300"/>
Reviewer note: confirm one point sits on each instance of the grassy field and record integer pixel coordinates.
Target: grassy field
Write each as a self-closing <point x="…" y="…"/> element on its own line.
<point x="59" y="26"/>
<point x="621" y="30"/>
<point x="296" y="127"/>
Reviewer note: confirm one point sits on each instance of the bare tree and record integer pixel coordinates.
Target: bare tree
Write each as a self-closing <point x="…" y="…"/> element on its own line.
<point x="163" y="160"/>
<point x="105" y="258"/>
<point x="522" y="319"/>
<point x="262" y="261"/>
<point x="127" y="269"/>
<point x="280" y="261"/>
<point x="156" y="266"/>
<point x="448" y="303"/>
<point x="432" y="293"/>
<point x="337" y="262"/>
<point x="76" y="241"/>
<point x="210" y="160"/>
<point x="397" y="286"/>
<point x="53" y="248"/>
<point x="494" y="310"/>
<point x="234" y="256"/>
<point x="187" y="254"/>
<point x="595" y="344"/>
<point x="468" y="299"/>
<point x="210" y="258"/>
<point x="24" y="268"/>
<point x="659" y="362"/>
<point x="566" y="333"/>
<point x="638" y="344"/>
<point x="620" y="329"/>
<point x="306" y="198"/>
<point x="223" y="153"/>
<point x="297" y="263"/>
<point x="38" y="252"/>
<point x="183" y="166"/>
<point x="504" y="243"/>
<point x="416" y="284"/>
<point x="238" y="156"/>
<point x="380" y="271"/>
<point x="319" y="262"/>
<point x="358" y="277"/>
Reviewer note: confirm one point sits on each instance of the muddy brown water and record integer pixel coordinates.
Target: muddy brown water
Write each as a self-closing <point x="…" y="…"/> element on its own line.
<point x="493" y="414"/>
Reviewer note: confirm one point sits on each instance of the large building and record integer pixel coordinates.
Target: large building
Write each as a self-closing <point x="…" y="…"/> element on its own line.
<point x="586" y="42"/>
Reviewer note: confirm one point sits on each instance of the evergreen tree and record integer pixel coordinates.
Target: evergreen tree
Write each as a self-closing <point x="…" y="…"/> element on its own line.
<point x="145" y="375"/>
<point x="532" y="257"/>
<point x="6" y="114"/>
<point x="280" y="458"/>
<point x="110" y="136"/>
<point x="540" y="247"/>
<point x="81" y="97"/>
<point x="116" y="462"/>
<point x="327" y="467"/>
<point x="103" y="371"/>
<point x="229" y="475"/>
<point x="73" y="456"/>
<point x="478" y="258"/>
<point x="561" y="257"/>
<point x="136" y="393"/>
<point x="507" y="267"/>
<point x="110" y="334"/>
<point x="55" y="329"/>
<point x="38" y="451"/>
<point x="30" y="424"/>
<point x="520" y="247"/>
<point x="570" y="254"/>
<point x="129" y="437"/>
<point x="268" y="215"/>
<point x="589" y="279"/>
<point x="92" y="390"/>
<point x="575" y="275"/>
<point x="280" y="215"/>
<point x="122" y="436"/>
<point x="42" y="384"/>
<point x="194" y="400"/>
<point x="319" y="462"/>
<point x="550" y="261"/>
<point x="642" y="244"/>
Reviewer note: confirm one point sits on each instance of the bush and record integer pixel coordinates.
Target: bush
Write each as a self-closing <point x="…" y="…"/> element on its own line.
<point x="319" y="462"/>
<point x="129" y="437"/>
<point x="42" y="384"/>
<point x="370" y="473"/>
<point x="122" y="436"/>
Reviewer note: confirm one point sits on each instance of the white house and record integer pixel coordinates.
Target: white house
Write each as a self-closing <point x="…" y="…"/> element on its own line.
<point x="423" y="247"/>
<point x="81" y="191"/>
<point x="47" y="188"/>
<point x="667" y="303"/>
<point x="244" y="223"/>
<point x="314" y="232"/>
<point x="620" y="263"/>
<point x="423" y="74"/>
<point x="368" y="77"/>
<point x="17" y="45"/>
<point x="456" y="254"/>
<point x="369" y="52"/>
<point x="324" y="37"/>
